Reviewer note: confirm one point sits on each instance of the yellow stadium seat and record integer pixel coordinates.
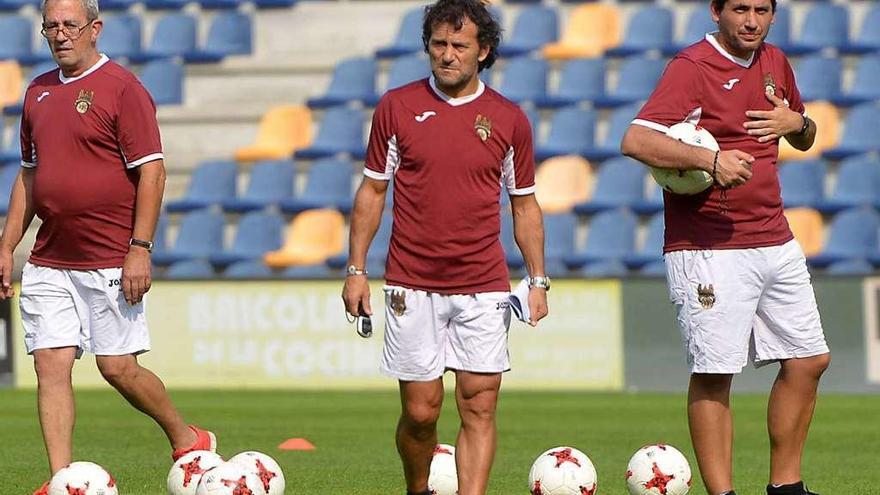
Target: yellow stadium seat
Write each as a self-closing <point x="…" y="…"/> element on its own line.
<point x="827" y="120"/>
<point x="806" y="225"/>
<point x="563" y="181"/>
<point x="11" y="82"/>
<point x="312" y="237"/>
<point x="591" y="29"/>
<point x="283" y="130"/>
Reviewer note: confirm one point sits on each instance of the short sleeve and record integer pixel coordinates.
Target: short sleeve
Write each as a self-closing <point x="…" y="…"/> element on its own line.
<point x="676" y="97"/>
<point x="383" y="156"/>
<point x="793" y="94"/>
<point x="28" y="150"/>
<point x="518" y="170"/>
<point x="137" y="128"/>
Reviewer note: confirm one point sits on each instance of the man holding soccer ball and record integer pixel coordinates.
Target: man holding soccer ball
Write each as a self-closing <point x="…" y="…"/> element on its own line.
<point x="735" y="273"/>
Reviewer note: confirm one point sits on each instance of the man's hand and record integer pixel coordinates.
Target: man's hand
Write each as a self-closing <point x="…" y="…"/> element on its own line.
<point x="734" y="168"/>
<point x="356" y="295"/>
<point x="537" y="305"/>
<point x="136" y="274"/>
<point x="770" y="125"/>
<point x="6" y="289"/>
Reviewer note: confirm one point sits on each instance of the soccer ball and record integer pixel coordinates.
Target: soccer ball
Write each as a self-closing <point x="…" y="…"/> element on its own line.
<point x="686" y="181"/>
<point x="658" y="469"/>
<point x="230" y="478"/>
<point x="184" y="476"/>
<point x="82" y="478"/>
<point x="264" y="468"/>
<point x="443" y="478"/>
<point x="562" y="471"/>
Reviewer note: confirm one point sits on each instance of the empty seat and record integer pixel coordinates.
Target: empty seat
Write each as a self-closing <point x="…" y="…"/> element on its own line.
<point x="571" y="132"/>
<point x="328" y="186"/>
<point x="524" y="79"/>
<point x="404" y="70"/>
<point x="620" y="182"/>
<point x="230" y="33"/>
<point x="11" y="152"/>
<point x="269" y="182"/>
<point x="257" y="233"/>
<point x="618" y="123"/>
<point x="283" y="130"/>
<point x="535" y="26"/>
<point x="865" y="86"/>
<point x="164" y="80"/>
<point x="341" y="131"/>
<point x="611" y="237"/>
<point x="512" y="254"/>
<point x="851" y="235"/>
<point x="211" y="183"/>
<point x="173" y="36"/>
<point x="802" y="182"/>
<point x="861" y="132"/>
<point x="322" y="271"/>
<point x="652" y="247"/>
<point x="806" y="226"/>
<point x="590" y="30"/>
<point x="8" y="175"/>
<point x="780" y="30"/>
<point x="637" y="77"/>
<point x="166" y="4"/>
<point x="14" y="5"/>
<point x="826" y="25"/>
<point x="312" y="237"/>
<point x="858" y="184"/>
<point x="827" y="120"/>
<point x="650" y="28"/>
<point x="850" y="267"/>
<point x="561" y="182"/>
<point x="603" y="269"/>
<point x="868" y="38"/>
<point x="190" y="270"/>
<point x="199" y="236"/>
<point x="220" y="4"/>
<point x="11" y="83"/>
<point x="819" y="77"/>
<point x="16" y="37"/>
<point x="354" y="79"/>
<point x="652" y="203"/>
<point x="409" y="35"/>
<point x="160" y="235"/>
<point x="248" y="269"/>
<point x="121" y="36"/>
<point x="581" y="79"/>
<point x="699" y="23"/>
<point x="559" y="241"/>
<point x="377" y="252"/>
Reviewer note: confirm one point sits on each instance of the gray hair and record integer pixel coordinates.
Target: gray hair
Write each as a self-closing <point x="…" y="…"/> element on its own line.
<point x="90" y="6"/>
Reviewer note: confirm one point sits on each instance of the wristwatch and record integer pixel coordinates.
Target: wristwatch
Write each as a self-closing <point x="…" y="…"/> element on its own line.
<point x="541" y="282"/>
<point x="148" y="245"/>
<point x="353" y="270"/>
<point x="805" y="126"/>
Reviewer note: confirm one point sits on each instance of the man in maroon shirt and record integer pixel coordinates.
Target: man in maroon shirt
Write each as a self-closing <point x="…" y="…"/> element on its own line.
<point x="736" y="275"/>
<point x="93" y="172"/>
<point x="448" y="143"/>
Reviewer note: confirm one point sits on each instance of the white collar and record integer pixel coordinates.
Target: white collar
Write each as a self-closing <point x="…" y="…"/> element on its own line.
<point x="101" y="61"/>
<point x="710" y="37"/>
<point x="461" y="100"/>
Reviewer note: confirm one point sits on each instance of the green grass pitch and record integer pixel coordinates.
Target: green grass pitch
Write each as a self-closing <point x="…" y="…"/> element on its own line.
<point x="353" y="433"/>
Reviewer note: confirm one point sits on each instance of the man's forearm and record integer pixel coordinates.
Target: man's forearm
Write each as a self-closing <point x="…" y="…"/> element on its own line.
<point x="657" y="150"/>
<point x="150" y="189"/>
<point x="21" y="211"/>
<point x="803" y="141"/>
<point x="365" y="218"/>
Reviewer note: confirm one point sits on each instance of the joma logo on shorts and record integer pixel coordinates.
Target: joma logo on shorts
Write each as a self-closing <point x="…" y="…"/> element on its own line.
<point x="115" y="282"/>
<point x="502" y="305"/>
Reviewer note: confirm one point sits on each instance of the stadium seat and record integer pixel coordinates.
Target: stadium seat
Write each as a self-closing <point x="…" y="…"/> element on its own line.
<point x="780" y="31"/>
<point x="850" y="267"/>
<point x="603" y="269"/>
<point x="199" y="236"/>
<point x="561" y="182"/>
<point x="534" y="119"/>
<point x="341" y="131"/>
<point x="851" y="235"/>
<point x="164" y="80"/>
<point x="11" y="153"/>
<point x="160" y="235"/>
<point x="611" y="236"/>
<point x="15" y="5"/>
<point x="269" y="183"/>
<point x="189" y="270"/>
<point x="591" y="29"/>
<point x="312" y="237"/>
<point x="404" y="70"/>
<point x="283" y="130"/>
<point x="654" y="269"/>
<point x="328" y="186"/>
<point x="275" y="4"/>
<point x="827" y="120"/>
<point x="861" y="132"/>
<point x="819" y="77"/>
<point x="220" y="4"/>
<point x="166" y="4"/>
<point x="121" y="36"/>
<point x="858" y="184"/>
<point x="535" y="26"/>
<point x="211" y="183"/>
<point x="618" y="123"/>
<point x="230" y="33"/>
<point x="354" y="79"/>
<point x="650" y="28"/>
<point x="868" y="38"/>
<point x="8" y="174"/>
<point x="512" y="254"/>
<point x="173" y="36"/>
<point x="559" y="239"/>
<point x="248" y="269"/>
<point x="257" y="233"/>
<point x="11" y="83"/>
<point x="117" y="5"/>
<point x="581" y="79"/>
<point x="652" y="247"/>
<point x="377" y="252"/>
<point x="865" y="86"/>
<point x="699" y="22"/>
<point x="637" y="77"/>
<point x="16" y="38"/>
<point x="652" y="203"/>
<point x="409" y="36"/>
<point x="806" y="226"/>
<point x="620" y="182"/>
<point x="826" y="25"/>
<point x="524" y="79"/>
<point x="571" y="132"/>
<point x="321" y="271"/>
<point x="802" y="182"/>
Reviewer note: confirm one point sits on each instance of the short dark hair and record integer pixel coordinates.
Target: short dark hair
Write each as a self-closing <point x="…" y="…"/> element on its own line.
<point x="719" y="5"/>
<point x="454" y="13"/>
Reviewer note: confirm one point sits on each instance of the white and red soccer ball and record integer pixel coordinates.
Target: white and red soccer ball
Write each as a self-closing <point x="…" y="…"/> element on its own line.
<point x="658" y="470"/>
<point x="82" y="478"/>
<point x="686" y="181"/>
<point x="443" y="477"/>
<point x="562" y="471"/>
<point x="267" y="471"/>
<point x="230" y="478"/>
<point x="185" y="474"/>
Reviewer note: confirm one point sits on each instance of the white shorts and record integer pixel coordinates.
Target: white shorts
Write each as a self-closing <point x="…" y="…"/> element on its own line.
<point x="428" y="333"/>
<point x="80" y="308"/>
<point x="741" y="305"/>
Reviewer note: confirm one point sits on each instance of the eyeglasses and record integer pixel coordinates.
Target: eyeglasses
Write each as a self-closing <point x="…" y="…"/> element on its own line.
<point x="70" y="32"/>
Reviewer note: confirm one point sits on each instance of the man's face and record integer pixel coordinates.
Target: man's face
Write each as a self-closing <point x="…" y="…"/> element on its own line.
<point x="70" y="35"/>
<point x="743" y="25"/>
<point x="455" y="55"/>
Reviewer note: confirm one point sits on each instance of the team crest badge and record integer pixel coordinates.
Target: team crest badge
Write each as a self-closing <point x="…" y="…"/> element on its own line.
<point x="483" y="127"/>
<point x="706" y="295"/>
<point x="769" y="84"/>
<point x="84" y="101"/>
<point x="398" y="302"/>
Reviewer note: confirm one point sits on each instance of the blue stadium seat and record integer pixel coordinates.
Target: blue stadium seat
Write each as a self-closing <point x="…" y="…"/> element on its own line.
<point x="199" y="236"/>
<point x="16" y="37"/>
<point x="164" y="80"/>
<point x="409" y="36"/>
<point x="211" y="183"/>
<point x="865" y="86"/>
<point x="121" y="36"/>
<point x="189" y="270"/>
<point x="535" y="26"/>
<point x="354" y="79"/>
<point x="378" y="248"/>
<point x="850" y="267"/>
<point x="275" y="4"/>
<point x="8" y="174"/>
<point x="559" y="239"/>
<point x="166" y="4"/>
<point x="173" y="36"/>
<point x="581" y="79"/>
<point x="618" y="123"/>
<point x="114" y="5"/>
<point x="160" y="236"/>
<point x="328" y="186"/>
<point x="14" y="5"/>
<point x="858" y="184"/>
<point x="868" y="39"/>
<point x="825" y="26"/>
<point x="861" y="132"/>
<point x="654" y="269"/>
<point x="603" y="269"/>
<point x="780" y="31"/>
<point x="220" y="4"/>
<point x="41" y="54"/>
<point x="230" y="33"/>
<point x="257" y="234"/>
<point x="524" y="79"/>
<point x="637" y="77"/>
<point x="650" y="28"/>
<point x="699" y="23"/>
<point x="11" y="153"/>
<point x="571" y="132"/>
<point x="819" y="77"/>
<point x="248" y="269"/>
<point x="269" y="183"/>
<point x="620" y="182"/>
<point x="652" y="249"/>
<point x="341" y="131"/>
<point x="611" y="236"/>
<point x="512" y="253"/>
<point x="851" y="235"/>
<point x="802" y="182"/>
<point x="405" y="70"/>
<point x="534" y="121"/>
<point x="652" y="203"/>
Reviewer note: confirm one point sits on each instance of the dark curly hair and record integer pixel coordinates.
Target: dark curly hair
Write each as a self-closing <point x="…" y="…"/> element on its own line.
<point x="719" y="4"/>
<point x="454" y="13"/>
